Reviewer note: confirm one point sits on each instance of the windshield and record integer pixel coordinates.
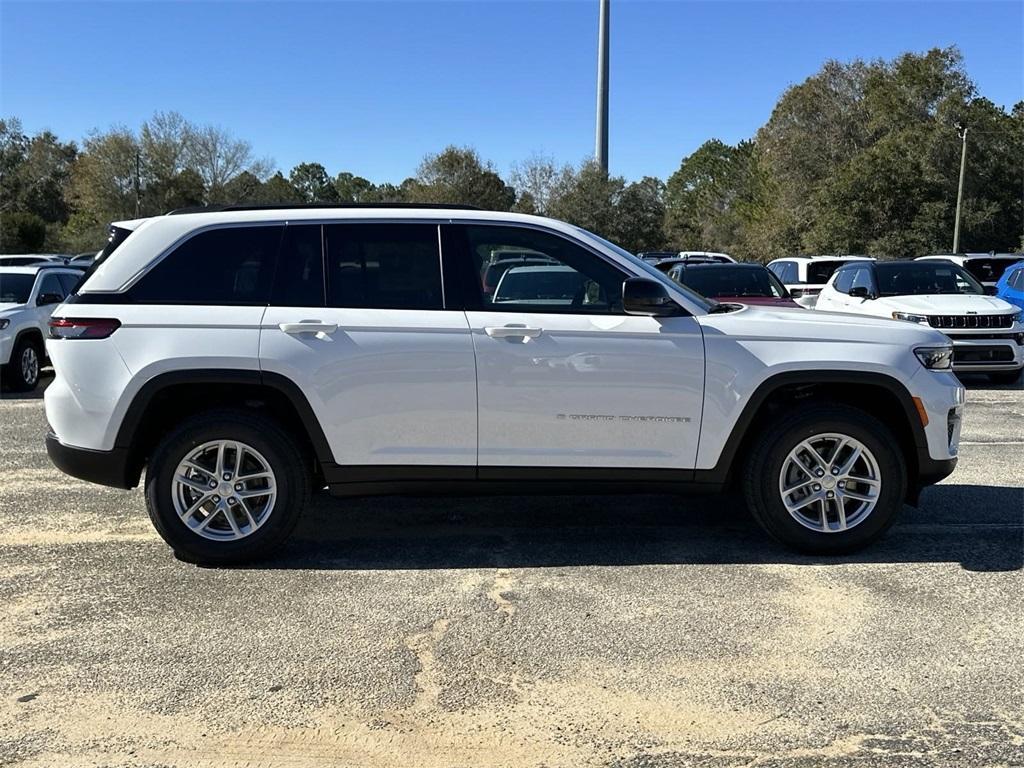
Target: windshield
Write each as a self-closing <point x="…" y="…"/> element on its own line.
<point x="919" y="278"/>
<point x="15" y="288"/>
<point x="821" y="271"/>
<point x="648" y="269"/>
<point x="989" y="270"/>
<point x="714" y="282"/>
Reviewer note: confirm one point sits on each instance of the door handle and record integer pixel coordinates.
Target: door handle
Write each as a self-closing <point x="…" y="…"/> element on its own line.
<point x="512" y="331"/>
<point x="308" y="326"/>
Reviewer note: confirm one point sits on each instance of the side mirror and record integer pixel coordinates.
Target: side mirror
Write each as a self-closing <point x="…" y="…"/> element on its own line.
<point x="861" y="292"/>
<point x="641" y="296"/>
<point x="44" y="299"/>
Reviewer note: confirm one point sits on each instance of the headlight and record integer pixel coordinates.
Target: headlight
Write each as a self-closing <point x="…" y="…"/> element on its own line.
<point x="4" y="322"/>
<point x="910" y="317"/>
<point x="935" y="358"/>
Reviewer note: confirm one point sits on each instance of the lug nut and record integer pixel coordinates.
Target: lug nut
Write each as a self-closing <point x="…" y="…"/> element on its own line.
<point x="238" y="486"/>
<point x="213" y="483"/>
<point x="835" y="470"/>
<point x="830" y="494"/>
<point x="817" y="487"/>
<point x="820" y="472"/>
<point x="227" y="475"/>
<point x="216" y="499"/>
<point x="841" y="484"/>
<point x="232" y="501"/>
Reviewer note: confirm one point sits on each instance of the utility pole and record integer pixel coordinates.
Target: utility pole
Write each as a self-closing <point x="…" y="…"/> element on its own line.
<point x="601" y="143"/>
<point x="962" y="133"/>
<point x="138" y="184"/>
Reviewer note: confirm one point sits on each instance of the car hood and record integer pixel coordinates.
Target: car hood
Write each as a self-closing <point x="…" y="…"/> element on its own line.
<point x="811" y="325"/>
<point x="9" y="307"/>
<point x="946" y="304"/>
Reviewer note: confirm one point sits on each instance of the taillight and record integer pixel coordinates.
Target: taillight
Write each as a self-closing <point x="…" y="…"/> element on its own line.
<point x="82" y="327"/>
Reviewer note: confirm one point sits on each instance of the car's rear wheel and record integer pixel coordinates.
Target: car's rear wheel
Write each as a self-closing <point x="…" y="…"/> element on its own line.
<point x="828" y="480"/>
<point x="21" y="374"/>
<point x="1006" y="377"/>
<point x="226" y="487"/>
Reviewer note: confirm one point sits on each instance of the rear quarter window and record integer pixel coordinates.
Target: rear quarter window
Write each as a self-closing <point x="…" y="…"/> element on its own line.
<point x="229" y="266"/>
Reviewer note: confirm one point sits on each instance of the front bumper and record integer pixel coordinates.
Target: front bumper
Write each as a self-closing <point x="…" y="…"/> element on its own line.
<point x="111" y="468"/>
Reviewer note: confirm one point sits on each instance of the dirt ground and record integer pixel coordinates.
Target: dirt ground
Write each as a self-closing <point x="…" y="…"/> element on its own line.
<point x="640" y="632"/>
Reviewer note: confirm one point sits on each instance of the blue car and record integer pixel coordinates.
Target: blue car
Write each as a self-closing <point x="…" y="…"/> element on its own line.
<point x="1011" y="285"/>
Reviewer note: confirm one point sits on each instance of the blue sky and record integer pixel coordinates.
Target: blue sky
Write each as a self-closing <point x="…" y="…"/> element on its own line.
<point x="370" y="87"/>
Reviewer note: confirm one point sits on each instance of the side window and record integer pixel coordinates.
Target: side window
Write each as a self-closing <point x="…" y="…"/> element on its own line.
<point x="1018" y="280"/>
<point x="862" y="278"/>
<point x="844" y="280"/>
<point x="299" y="280"/>
<point x="51" y="284"/>
<point x="519" y="269"/>
<point x="780" y="270"/>
<point x="383" y="266"/>
<point x="229" y="266"/>
<point x="69" y="282"/>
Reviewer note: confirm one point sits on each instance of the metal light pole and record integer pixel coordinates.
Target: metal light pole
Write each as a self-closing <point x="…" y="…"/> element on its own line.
<point x="601" y="143"/>
<point x="960" y="187"/>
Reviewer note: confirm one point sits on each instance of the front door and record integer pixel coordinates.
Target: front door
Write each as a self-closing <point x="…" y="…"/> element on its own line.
<point x="564" y="377"/>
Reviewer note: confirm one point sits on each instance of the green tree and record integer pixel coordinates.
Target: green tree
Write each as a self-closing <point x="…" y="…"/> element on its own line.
<point x="353" y="189"/>
<point x="21" y="232"/>
<point x="313" y="185"/>
<point x="458" y="176"/>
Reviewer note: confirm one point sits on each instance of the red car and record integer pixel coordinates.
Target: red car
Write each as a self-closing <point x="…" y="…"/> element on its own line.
<point x="739" y="283"/>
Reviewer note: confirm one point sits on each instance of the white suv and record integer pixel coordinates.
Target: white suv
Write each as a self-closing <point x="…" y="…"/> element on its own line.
<point x="986" y="268"/>
<point x="805" y="276"/>
<point x="244" y="357"/>
<point x="27" y="297"/>
<point x="987" y="333"/>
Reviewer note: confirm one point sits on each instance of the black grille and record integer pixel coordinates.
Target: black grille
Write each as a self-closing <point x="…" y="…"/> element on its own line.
<point x="982" y="354"/>
<point x="970" y="321"/>
<point x="1007" y="337"/>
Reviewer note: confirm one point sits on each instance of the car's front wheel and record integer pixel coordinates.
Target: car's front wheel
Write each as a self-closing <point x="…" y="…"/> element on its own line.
<point x="22" y="373"/>
<point x="226" y="487"/>
<point x="828" y="480"/>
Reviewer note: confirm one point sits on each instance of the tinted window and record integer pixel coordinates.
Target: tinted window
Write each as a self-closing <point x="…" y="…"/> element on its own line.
<point x="716" y="281"/>
<point x="232" y="265"/>
<point x="51" y="284"/>
<point x="15" y="288"/>
<point x="383" y="266"/>
<point x="785" y="270"/>
<point x="299" y="281"/>
<point x="1017" y="279"/>
<point x="821" y="271"/>
<point x="862" y="278"/>
<point x="540" y="272"/>
<point x="844" y="280"/>
<point x="69" y="281"/>
<point x="988" y="270"/>
<point x="924" y="277"/>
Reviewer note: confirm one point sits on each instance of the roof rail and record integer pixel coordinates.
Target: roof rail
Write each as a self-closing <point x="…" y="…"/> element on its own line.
<point x="289" y="206"/>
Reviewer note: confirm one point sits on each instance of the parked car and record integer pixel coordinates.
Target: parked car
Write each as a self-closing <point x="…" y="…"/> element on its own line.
<point x="653" y="257"/>
<point x="986" y="268"/>
<point x="805" y="276"/>
<point x="744" y="283"/>
<point x="244" y="357"/>
<point x="28" y="295"/>
<point x="83" y="260"/>
<point x="712" y="255"/>
<point x="987" y="332"/>
<point x="1010" y="287"/>
<point x="501" y="261"/>
<point x="665" y="265"/>
<point x="28" y="259"/>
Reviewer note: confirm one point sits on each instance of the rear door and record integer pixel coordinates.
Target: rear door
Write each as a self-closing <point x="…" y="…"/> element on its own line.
<point x="565" y="377"/>
<point x="358" y="322"/>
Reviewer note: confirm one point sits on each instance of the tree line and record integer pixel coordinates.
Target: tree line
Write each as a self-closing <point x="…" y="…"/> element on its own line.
<point x="862" y="157"/>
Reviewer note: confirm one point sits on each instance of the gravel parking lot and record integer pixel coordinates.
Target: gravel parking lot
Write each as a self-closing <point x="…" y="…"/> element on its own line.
<point x="556" y="631"/>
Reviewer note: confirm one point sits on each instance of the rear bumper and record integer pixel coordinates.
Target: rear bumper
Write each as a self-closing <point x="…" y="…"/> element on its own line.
<point x="111" y="468"/>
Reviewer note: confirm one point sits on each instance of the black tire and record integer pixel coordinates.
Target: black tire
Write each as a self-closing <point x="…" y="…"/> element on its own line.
<point x="1006" y="377"/>
<point x="765" y="465"/>
<point x="264" y="435"/>
<point x="14" y="376"/>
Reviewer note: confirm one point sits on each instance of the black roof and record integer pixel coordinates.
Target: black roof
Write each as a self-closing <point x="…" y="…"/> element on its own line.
<point x="289" y="206"/>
